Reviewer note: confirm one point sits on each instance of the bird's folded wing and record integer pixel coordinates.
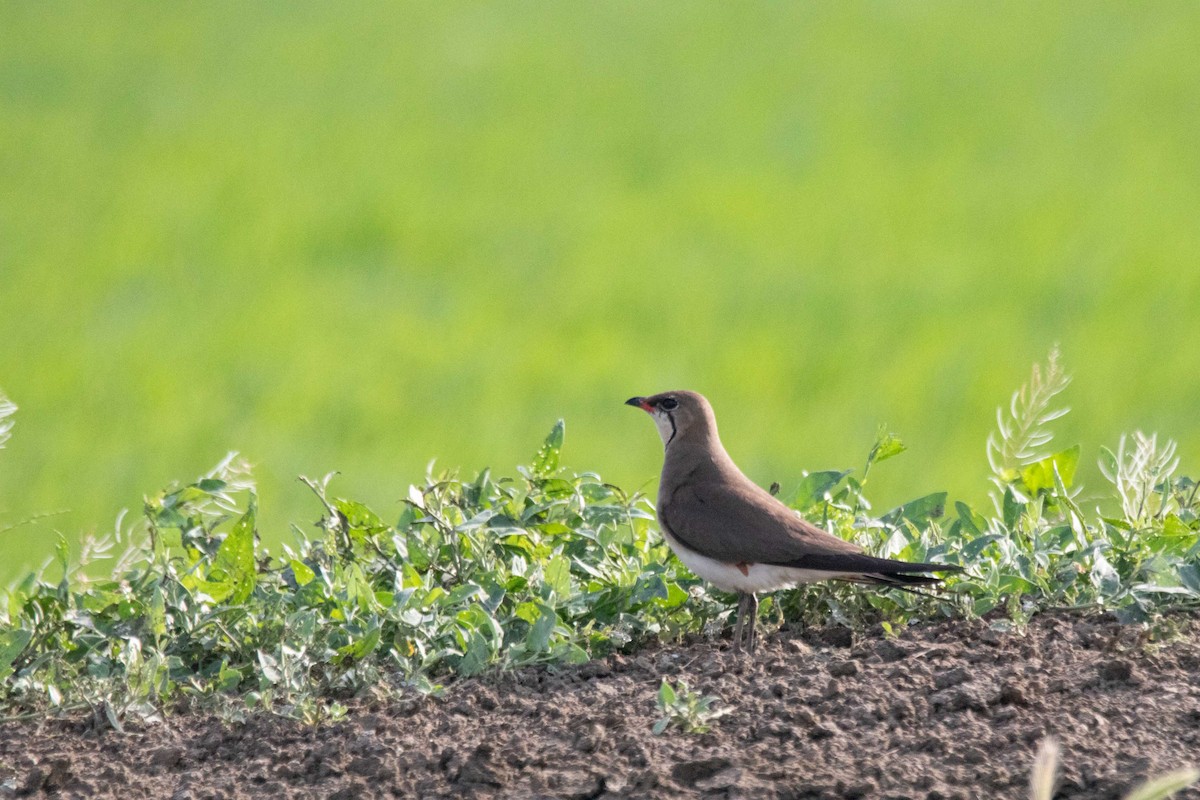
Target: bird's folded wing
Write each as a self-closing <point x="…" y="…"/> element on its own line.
<point x="732" y="523"/>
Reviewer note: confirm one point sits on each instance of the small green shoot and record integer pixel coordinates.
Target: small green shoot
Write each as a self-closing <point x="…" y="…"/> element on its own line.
<point x="685" y="709"/>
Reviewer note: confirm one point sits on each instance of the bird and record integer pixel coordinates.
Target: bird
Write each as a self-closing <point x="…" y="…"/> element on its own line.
<point x="736" y="535"/>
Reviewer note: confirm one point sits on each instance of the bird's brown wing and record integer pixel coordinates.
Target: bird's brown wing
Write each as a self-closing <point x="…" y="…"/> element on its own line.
<point x="736" y="522"/>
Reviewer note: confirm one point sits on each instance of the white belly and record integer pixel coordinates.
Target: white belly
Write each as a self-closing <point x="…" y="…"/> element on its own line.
<point x="756" y="578"/>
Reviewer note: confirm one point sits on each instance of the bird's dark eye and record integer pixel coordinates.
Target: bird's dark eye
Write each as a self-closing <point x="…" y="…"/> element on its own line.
<point x="668" y="404"/>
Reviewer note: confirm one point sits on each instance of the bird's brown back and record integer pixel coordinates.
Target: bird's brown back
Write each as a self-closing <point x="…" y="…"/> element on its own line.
<point x="710" y="506"/>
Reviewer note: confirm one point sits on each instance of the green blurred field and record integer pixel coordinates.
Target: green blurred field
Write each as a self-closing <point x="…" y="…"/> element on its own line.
<point x="358" y="237"/>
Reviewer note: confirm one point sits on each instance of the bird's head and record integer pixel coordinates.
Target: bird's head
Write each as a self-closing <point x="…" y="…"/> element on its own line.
<point x="679" y="416"/>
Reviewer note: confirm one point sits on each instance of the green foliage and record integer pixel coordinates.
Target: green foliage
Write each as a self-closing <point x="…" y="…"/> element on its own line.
<point x="1043" y="550"/>
<point x="1040" y="549"/>
<point x="685" y="709"/>
<point x="476" y="574"/>
<point x="552" y="567"/>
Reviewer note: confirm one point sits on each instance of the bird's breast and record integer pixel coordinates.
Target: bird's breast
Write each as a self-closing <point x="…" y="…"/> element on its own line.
<point x="742" y="576"/>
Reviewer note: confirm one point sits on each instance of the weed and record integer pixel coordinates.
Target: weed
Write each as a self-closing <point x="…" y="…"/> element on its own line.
<point x="1020" y="435"/>
<point x="685" y="709"/>
<point x="1045" y="768"/>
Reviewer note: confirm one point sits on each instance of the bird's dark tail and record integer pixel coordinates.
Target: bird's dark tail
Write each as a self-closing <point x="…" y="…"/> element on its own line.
<point x="907" y="588"/>
<point x="899" y="581"/>
<point x="869" y="569"/>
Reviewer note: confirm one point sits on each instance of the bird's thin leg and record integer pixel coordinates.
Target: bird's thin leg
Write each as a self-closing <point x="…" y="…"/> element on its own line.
<point x="741" y="618"/>
<point x="752" y="613"/>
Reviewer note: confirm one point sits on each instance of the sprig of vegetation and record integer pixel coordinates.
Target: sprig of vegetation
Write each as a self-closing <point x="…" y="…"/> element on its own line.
<point x="1043" y="777"/>
<point x="7" y="409"/>
<point x="1019" y="436"/>
<point x="1142" y="477"/>
<point x="685" y="709"/>
<point x="484" y="572"/>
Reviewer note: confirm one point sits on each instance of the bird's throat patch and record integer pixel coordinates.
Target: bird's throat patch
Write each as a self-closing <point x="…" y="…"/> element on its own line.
<point x="744" y="567"/>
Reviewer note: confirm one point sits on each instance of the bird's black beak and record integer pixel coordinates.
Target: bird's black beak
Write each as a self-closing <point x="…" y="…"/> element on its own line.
<point x="638" y="402"/>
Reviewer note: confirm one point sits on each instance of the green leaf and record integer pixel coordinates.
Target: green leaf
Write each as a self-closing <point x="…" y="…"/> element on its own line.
<point x="367" y="644"/>
<point x="815" y="487"/>
<point x="558" y="576"/>
<point x="110" y="713"/>
<point x="983" y="605"/>
<point x="529" y="612"/>
<point x="301" y="572"/>
<point x="919" y="511"/>
<point x="1012" y="508"/>
<point x="545" y="463"/>
<point x="1133" y="613"/>
<point x="538" y="640"/>
<point x="975" y="547"/>
<point x="228" y="679"/>
<point x="268" y="667"/>
<point x="1014" y="584"/>
<point x="887" y="444"/>
<point x="676" y="596"/>
<point x="477" y="657"/>
<point x="570" y="653"/>
<point x="973" y="523"/>
<point x="12" y="643"/>
<point x="1189" y="576"/>
<point x="649" y="587"/>
<point x="156" y="611"/>
<point x="1039" y="476"/>
<point x="1104" y="577"/>
<point x="666" y="694"/>
<point x="1174" y="526"/>
<point x="359" y="517"/>
<point x="235" y="557"/>
<point x="462" y="592"/>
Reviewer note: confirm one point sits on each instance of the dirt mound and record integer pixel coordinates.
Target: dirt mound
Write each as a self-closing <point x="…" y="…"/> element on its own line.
<point x="946" y="710"/>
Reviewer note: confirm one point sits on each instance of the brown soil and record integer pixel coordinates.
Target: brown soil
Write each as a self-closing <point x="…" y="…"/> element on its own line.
<point x="947" y="710"/>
